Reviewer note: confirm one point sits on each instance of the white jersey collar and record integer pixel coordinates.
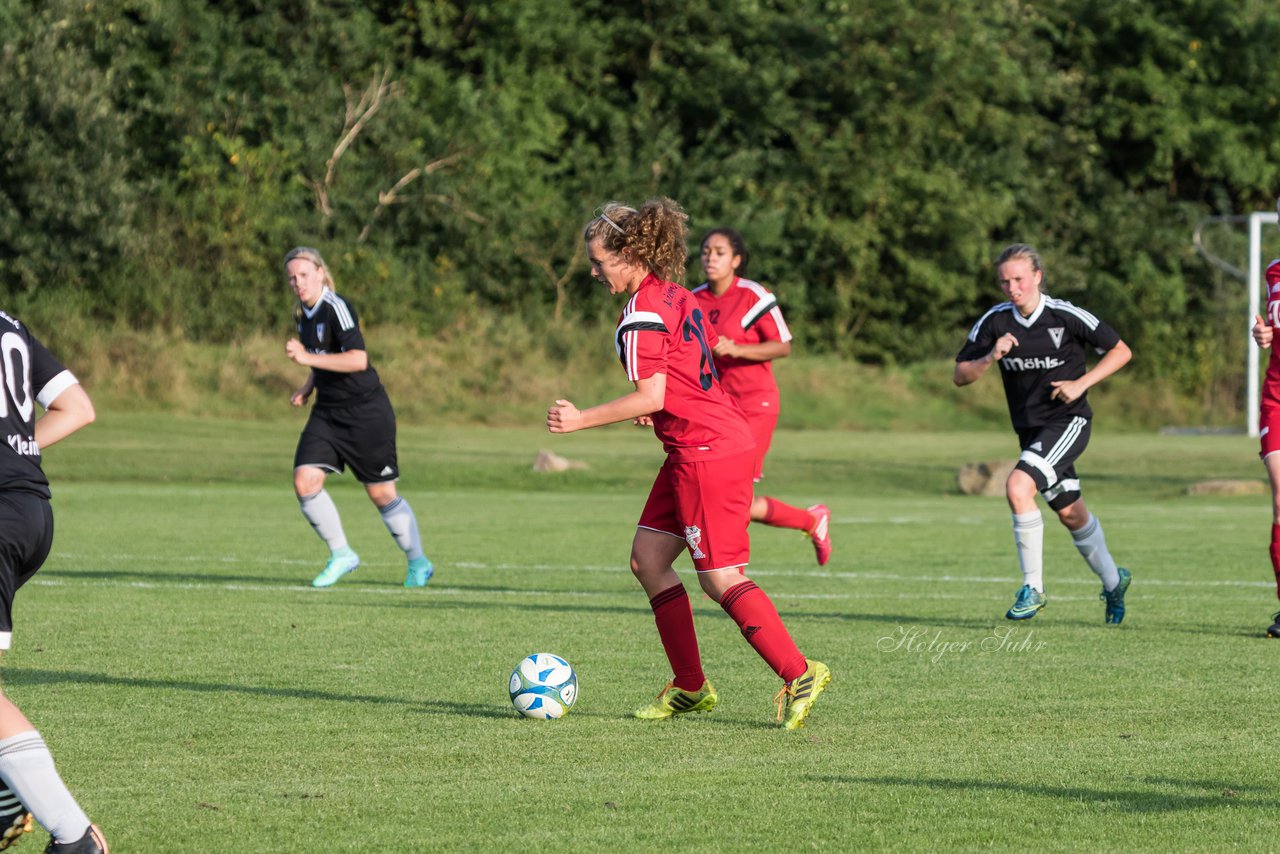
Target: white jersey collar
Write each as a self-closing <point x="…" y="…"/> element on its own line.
<point x="324" y="292"/>
<point x="1035" y="315"/>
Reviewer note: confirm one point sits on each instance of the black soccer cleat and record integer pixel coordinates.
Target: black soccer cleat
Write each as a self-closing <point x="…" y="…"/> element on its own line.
<point x="15" y="821"/>
<point x="1273" y="630"/>
<point x="93" y="842"/>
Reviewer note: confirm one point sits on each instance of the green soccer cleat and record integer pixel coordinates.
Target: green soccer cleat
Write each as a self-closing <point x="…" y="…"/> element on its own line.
<point x="1115" y="598"/>
<point x="341" y="562"/>
<point x="1027" y="605"/>
<point x="419" y="572"/>
<point x="677" y="701"/>
<point x="795" y="700"/>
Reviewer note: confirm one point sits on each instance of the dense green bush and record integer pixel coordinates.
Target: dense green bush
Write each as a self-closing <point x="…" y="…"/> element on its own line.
<point x="159" y="157"/>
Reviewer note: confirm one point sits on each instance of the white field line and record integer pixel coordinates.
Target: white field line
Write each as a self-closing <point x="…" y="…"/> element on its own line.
<point x="1076" y="579"/>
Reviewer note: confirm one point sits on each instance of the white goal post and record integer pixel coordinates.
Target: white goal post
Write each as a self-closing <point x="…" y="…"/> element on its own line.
<point x="1255" y="296"/>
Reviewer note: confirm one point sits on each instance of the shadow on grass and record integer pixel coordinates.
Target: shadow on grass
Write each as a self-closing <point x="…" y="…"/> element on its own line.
<point x="162" y="578"/>
<point x="1219" y="795"/>
<point x="24" y="676"/>
<point x="495" y="711"/>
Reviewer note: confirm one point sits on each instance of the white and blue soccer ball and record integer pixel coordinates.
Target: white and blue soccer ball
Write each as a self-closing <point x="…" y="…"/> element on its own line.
<point x="543" y="686"/>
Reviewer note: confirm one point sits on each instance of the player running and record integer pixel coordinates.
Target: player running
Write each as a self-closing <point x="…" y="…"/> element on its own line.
<point x="701" y="499"/>
<point x="1269" y="417"/>
<point x="351" y="423"/>
<point x="29" y="375"/>
<point x="1040" y="344"/>
<point x="752" y="334"/>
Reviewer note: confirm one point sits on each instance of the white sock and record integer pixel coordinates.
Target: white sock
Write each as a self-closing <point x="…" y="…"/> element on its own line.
<point x="26" y="765"/>
<point x="403" y="525"/>
<point x="1092" y="545"/>
<point x="1028" y="536"/>
<point x="322" y="513"/>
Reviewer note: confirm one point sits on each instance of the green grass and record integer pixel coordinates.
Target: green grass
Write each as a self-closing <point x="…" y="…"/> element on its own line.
<point x="199" y="696"/>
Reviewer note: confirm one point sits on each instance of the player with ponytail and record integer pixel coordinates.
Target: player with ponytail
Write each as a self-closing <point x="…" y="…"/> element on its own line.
<point x="701" y="499"/>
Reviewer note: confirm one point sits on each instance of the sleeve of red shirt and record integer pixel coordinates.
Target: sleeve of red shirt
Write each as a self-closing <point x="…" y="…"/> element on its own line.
<point x="1273" y="293"/>
<point x="643" y="340"/>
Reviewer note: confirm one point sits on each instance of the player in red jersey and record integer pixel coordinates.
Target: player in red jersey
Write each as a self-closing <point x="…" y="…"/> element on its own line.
<point x="752" y="334"/>
<point x="1269" y="417"/>
<point x="701" y="498"/>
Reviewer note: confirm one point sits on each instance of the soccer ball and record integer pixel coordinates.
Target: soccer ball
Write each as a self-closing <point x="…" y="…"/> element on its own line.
<point x="543" y="686"/>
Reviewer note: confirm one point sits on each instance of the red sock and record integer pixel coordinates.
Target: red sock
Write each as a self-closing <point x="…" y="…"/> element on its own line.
<point x="1275" y="555"/>
<point x="674" y="616"/>
<point x="751" y="609"/>
<point x="781" y="515"/>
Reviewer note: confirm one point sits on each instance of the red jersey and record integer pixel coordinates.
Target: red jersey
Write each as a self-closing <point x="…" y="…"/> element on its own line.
<point x="746" y="314"/>
<point x="662" y="331"/>
<point x="1271" y="385"/>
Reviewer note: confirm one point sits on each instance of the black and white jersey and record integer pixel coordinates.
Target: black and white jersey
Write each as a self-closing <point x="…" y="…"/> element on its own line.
<point x="1051" y="346"/>
<point x="30" y="375"/>
<point x="331" y="326"/>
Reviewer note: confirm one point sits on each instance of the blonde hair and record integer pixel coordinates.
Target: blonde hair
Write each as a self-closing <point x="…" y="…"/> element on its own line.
<point x="1020" y="250"/>
<point x="313" y="255"/>
<point x="656" y="235"/>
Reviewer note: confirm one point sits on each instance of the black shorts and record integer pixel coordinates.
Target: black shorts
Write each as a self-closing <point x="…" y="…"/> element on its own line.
<point x="1049" y="455"/>
<point x="362" y="436"/>
<point x="26" y="535"/>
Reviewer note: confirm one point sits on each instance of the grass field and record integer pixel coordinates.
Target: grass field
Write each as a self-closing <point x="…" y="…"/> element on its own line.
<point x="199" y="696"/>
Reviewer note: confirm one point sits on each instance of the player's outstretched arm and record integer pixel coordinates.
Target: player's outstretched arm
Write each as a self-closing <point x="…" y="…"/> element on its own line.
<point x="1116" y="358"/>
<point x="1262" y="332"/>
<point x="649" y="397"/>
<point x="65" y="414"/>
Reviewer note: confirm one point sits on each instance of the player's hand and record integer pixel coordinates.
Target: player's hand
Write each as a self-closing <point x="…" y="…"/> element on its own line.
<point x="1004" y="344"/>
<point x="725" y="347"/>
<point x="1067" y="391"/>
<point x="643" y="421"/>
<point x="1262" y="332"/>
<point x="564" y="417"/>
<point x="299" y="397"/>
<point x="294" y="350"/>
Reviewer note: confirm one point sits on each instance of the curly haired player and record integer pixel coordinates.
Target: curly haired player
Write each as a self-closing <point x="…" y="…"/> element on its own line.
<point x="701" y="498"/>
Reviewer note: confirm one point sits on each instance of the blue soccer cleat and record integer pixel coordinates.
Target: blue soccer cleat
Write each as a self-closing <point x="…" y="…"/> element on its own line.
<point x="419" y="572"/>
<point x="341" y="562"/>
<point x="1027" y="605"/>
<point x="1115" y="598"/>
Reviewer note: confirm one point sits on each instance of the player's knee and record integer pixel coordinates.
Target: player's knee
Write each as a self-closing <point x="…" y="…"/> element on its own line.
<point x="1075" y="515"/>
<point x="307" y="481"/>
<point x="1020" y="486"/>
<point x="381" y="494"/>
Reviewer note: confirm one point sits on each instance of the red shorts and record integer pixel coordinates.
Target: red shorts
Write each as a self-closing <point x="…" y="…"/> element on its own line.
<point x="708" y="505"/>
<point x="1269" y="431"/>
<point x="762" y="423"/>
